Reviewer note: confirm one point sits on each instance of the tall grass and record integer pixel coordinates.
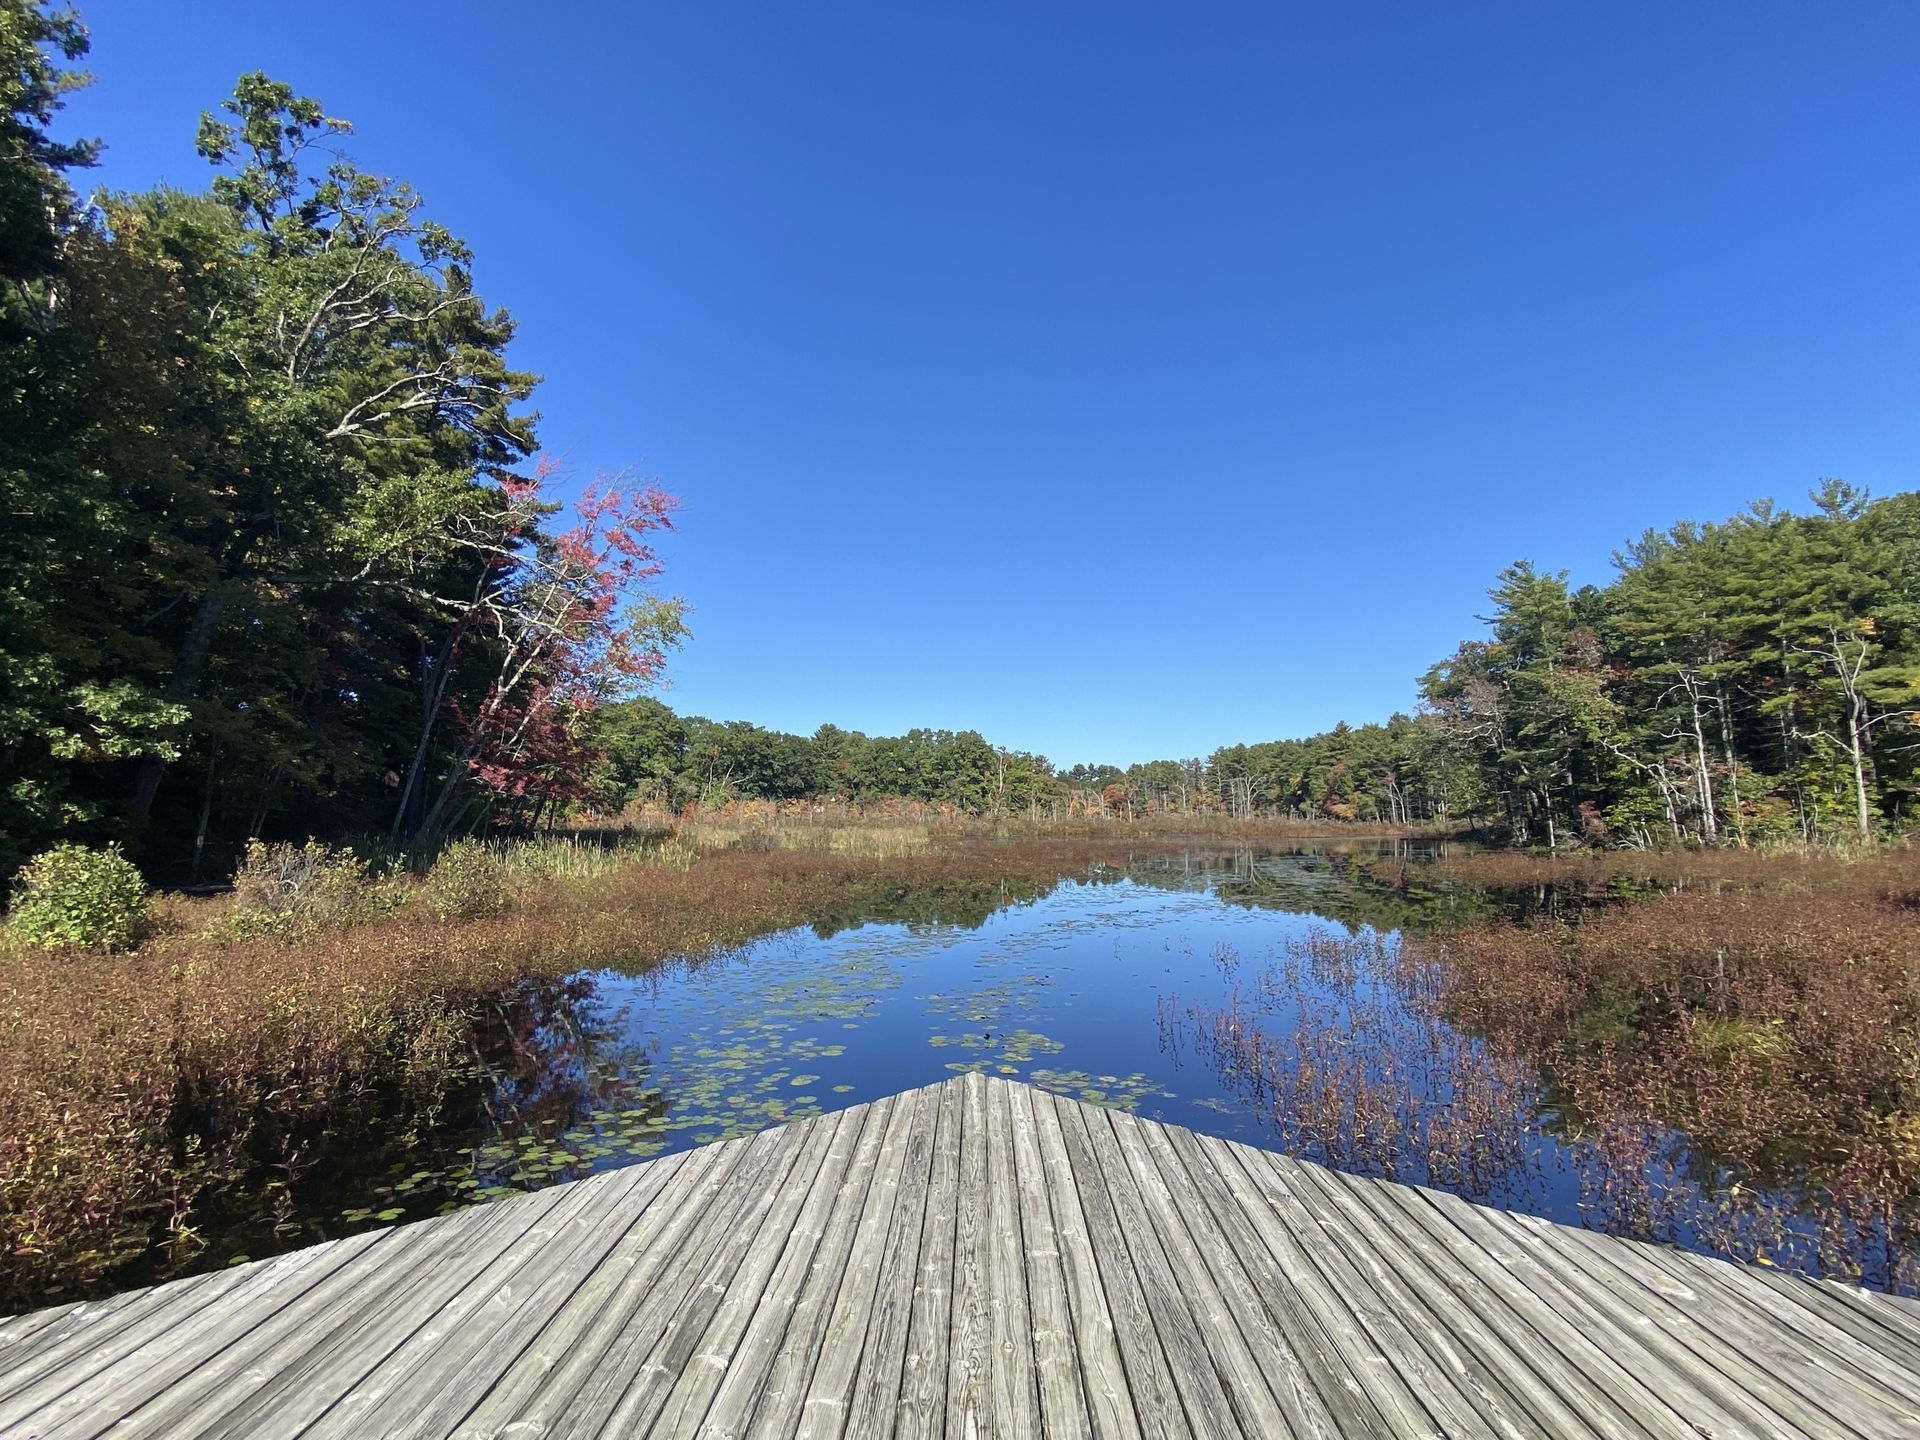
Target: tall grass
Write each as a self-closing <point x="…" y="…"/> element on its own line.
<point x="1774" y="1022"/>
<point x="1335" y="1043"/>
<point x="1799" y="867"/>
<point x="893" y="827"/>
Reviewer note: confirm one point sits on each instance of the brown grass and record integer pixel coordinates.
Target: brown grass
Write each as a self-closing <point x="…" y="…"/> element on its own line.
<point x="133" y="1086"/>
<point x="1677" y="869"/>
<point x="892" y="826"/>
<point x="1777" y="1025"/>
<point x="1362" y="1073"/>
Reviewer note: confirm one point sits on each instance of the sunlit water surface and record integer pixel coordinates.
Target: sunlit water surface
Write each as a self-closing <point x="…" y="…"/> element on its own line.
<point x="1152" y="990"/>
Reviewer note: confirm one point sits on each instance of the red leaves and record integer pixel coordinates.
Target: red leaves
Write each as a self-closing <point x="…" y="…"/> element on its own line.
<point x="563" y="641"/>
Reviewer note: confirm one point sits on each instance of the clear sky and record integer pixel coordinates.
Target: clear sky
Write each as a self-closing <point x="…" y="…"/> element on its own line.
<point x="1125" y="380"/>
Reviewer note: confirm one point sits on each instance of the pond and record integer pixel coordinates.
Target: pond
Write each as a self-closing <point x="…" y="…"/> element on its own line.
<point x="1261" y="997"/>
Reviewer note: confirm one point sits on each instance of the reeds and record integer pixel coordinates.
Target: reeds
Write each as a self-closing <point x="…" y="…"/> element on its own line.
<point x="1738" y="1069"/>
<point x="1675" y="869"/>
<point x="890" y="827"/>
<point x="1334" y="1042"/>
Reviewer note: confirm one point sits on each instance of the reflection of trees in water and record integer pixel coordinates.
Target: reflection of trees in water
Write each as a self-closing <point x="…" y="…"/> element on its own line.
<point x="1380" y="885"/>
<point x="1341" y="1044"/>
<point x="1334" y="1047"/>
<point x="548" y="1056"/>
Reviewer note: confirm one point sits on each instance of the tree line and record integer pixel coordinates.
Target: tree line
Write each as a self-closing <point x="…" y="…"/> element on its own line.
<point x="280" y="554"/>
<point x="1751" y="680"/>
<point x="281" y="558"/>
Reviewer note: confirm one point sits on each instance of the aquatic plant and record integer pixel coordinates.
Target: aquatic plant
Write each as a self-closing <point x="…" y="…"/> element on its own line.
<point x="1737" y="1069"/>
<point x="1333" y="1043"/>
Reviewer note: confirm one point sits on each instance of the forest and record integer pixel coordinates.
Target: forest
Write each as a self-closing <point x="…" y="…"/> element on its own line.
<point x="283" y="561"/>
<point x="1755" y="679"/>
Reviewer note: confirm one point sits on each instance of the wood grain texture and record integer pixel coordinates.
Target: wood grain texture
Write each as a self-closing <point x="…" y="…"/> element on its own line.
<point x="975" y="1259"/>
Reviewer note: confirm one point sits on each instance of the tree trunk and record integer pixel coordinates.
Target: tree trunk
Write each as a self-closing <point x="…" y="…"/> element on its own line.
<point x="1857" y="726"/>
<point x="182" y="685"/>
<point x="1703" y="776"/>
<point x="433" y="692"/>
<point x="1856" y="739"/>
<point x="1733" y="765"/>
<point x="206" y="809"/>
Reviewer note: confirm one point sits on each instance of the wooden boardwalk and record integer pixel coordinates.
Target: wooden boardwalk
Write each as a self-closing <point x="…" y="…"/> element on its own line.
<point x="974" y="1259"/>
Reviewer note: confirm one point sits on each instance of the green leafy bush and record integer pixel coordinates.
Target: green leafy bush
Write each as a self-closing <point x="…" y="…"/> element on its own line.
<point x="75" y="896"/>
<point x="289" y="889"/>
<point x="464" y="883"/>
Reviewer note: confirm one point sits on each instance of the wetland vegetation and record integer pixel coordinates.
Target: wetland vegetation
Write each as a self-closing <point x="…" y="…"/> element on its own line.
<point x="1718" y="1051"/>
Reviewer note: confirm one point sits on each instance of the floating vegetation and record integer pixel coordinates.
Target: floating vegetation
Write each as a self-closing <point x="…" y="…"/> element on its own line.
<point x="1110" y="1092"/>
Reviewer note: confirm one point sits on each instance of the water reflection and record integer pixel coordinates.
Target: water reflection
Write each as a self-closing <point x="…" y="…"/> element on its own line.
<point x="1263" y="996"/>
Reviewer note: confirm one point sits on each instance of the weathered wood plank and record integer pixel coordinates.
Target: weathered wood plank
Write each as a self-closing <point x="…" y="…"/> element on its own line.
<point x="211" y="1342"/>
<point x="1218" y="1265"/>
<point x="767" y="1281"/>
<point x="1196" y="1384"/>
<point x="1103" y="1375"/>
<point x="380" y="1275"/>
<point x="294" y="1401"/>
<point x="547" y="1375"/>
<point x="762" y="1224"/>
<point x="1561" y="1398"/>
<point x="1217" y="1321"/>
<point x="970" y="1334"/>
<point x="647" y="1310"/>
<point x="1801" y="1311"/>
<point x="1435" y="1351"/>
<point x="1758" y="1356"/>
<point x="1150" y="1380"/>
<point x="922" y="1411"/>
<point x="1338" y="1394"/>
<point x="1629" y="1342"/>
<point x="876" y="1392"/>
<point x="828" y="1399"/>
<point x="1886" y="1325"/>
<point x="1276" y="1219"/>
<point x="1013" y="1383"/>
<point x="1610" y="1375"/>
<point x="433" y="1397"/>
<point x="975" y="1259"/>
<point x="1436" y="1383"/>
<point x="1056" y="1367"/>
<point x="791" y="1365"/>
<point x="25" y="1337"/>
<point x="745" y="1371"/>
<point x="326" y="1338"/>
<point x="92" y="1342"/>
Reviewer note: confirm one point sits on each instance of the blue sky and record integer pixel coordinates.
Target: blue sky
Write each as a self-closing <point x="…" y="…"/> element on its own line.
<point x="1126" y="380"/>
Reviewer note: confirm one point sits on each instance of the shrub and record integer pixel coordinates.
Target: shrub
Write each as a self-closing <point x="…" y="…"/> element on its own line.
<point x="464" y="883"/>
<point x="75" y="896"/>
<point x="287" y="889"/>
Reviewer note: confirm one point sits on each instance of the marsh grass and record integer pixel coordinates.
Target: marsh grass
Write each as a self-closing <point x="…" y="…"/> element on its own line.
<point x="1731" y="1064"/>
<point x="139" y="1091"/>
<point x="888" y="828"/>
<point x="1336" y="1042"/>
<point x="1624" y="871"/>
<point x="1736" y="1066"/>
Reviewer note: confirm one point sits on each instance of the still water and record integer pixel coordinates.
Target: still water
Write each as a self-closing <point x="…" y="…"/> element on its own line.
<point x="1255" y="996"/>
